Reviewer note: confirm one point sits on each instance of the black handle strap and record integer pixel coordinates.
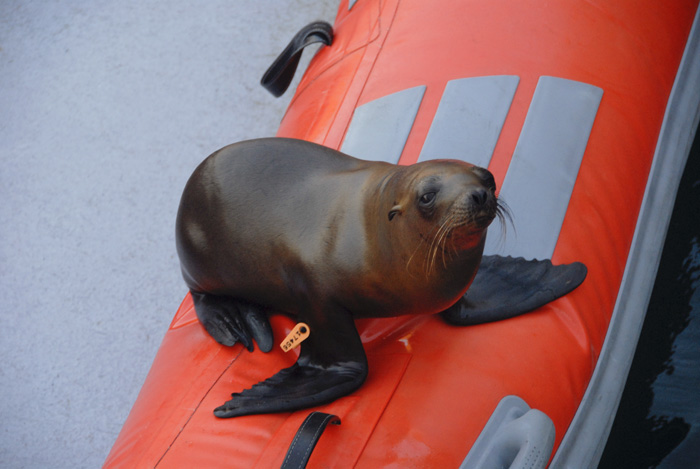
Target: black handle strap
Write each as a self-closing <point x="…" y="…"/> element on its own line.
<point x="277" y="78"/>
<point x="306" y="438"/>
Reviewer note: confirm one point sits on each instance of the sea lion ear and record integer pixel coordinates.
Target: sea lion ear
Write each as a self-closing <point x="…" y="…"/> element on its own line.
<point x="396" y="209"/>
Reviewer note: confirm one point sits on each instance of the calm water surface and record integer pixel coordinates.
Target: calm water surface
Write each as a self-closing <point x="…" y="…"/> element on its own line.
<point x="658" y="422"/>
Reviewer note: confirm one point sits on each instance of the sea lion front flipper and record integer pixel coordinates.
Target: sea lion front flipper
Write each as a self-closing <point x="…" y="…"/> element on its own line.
<point x="332" y="364"/>
<point x="505" y="287"/>
<point x="229" y="320"/>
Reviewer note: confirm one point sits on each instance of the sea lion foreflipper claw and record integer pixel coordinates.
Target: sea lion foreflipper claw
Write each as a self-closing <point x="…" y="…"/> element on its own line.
<point x="259" y="326"/>
<point x="505" y="287"/>
<point x="229" y="321"/>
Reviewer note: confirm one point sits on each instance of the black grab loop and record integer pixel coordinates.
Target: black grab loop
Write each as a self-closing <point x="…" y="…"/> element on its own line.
<point x="277" y="78"/>
<point x="306" y="438"/>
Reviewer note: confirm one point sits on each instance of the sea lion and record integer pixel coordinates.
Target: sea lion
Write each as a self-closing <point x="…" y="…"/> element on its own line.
<point x="283" y="225"/>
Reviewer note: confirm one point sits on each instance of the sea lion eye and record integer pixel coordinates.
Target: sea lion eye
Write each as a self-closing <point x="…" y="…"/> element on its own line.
<point x="427" y="199"/>
<point x="395" y="210"/>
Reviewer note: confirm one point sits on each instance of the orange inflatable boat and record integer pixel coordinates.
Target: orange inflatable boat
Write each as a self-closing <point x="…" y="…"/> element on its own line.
<point x="584" y="112"/>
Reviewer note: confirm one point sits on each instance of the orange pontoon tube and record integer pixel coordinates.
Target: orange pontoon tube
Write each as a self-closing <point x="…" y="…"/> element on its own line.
<point x="584" y="113"/>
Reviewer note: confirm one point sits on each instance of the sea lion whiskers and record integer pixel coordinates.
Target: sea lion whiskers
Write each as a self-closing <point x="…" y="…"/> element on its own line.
<point x="450" y="224"/>
<point x="505" y="217"/>
<point x="460" y="216"/>
<point x="415" y="251"/>
<point x="431" y="251"/>
<point x="427" y="265"/>
<point x="432" y="236"/>
<point x="448" y="230"/>
<point x="438" y="242"/>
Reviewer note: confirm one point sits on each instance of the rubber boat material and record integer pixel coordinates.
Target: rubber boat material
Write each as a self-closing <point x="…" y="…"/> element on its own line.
<point x="584" y="113"/>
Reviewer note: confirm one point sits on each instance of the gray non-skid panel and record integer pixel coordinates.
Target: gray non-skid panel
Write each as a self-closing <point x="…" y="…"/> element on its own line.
<point x="379" y="129"/>
<point x="469" y="119"/>
<point x="544" y="167"/>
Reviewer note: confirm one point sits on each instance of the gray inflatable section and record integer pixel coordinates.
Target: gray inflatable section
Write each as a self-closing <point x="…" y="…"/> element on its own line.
<point x="544" y="167"/>
<point x="379" y="129"/>
<point x="469" y="119"/>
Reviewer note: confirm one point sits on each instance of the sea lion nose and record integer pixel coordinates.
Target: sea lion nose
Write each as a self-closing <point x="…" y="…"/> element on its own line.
<point x="479" y="196"/>
<point x="485" y="176"/>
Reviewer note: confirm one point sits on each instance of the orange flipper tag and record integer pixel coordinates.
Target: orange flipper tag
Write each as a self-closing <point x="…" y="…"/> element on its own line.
<point x="295" y="337"/>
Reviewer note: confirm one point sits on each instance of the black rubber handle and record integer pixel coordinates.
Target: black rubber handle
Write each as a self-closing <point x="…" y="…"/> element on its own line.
<point x="306" y="438"/>
<point x="277" y="78"/>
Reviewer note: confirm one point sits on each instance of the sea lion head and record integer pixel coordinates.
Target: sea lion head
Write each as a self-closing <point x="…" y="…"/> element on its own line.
<point x="449" y="205"/>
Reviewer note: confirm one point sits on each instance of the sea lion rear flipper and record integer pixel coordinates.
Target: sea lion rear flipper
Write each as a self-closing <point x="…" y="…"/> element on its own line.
<point x="332" y="364"/>
<point x="229" y="320"/>
<point x="505" y="287"/>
